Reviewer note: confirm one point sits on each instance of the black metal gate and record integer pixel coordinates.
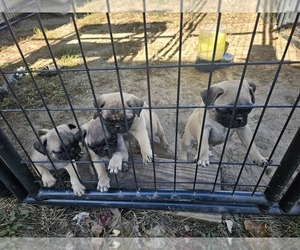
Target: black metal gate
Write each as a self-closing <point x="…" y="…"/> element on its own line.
<point x="152" y="191"/>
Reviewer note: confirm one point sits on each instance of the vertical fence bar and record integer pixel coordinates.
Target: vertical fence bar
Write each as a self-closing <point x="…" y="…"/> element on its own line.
<point x="284" y="172"/>
<point x="93" y="93"/>
<point x="236" y="100"/>
<point x="12" y="160"/>
<point x="149" y="90"/>
<point x="278" y="141"/>
<point x="268" y="99"/>
<point x="35" y="85"/>
<point x="291" y="196"/>
<point x="20" y="143"/>
<point x="242" y="78"/>
<point x="178" y="91"/>
<point x="119" y="84"/>
<point x="65" y="92"/>
<point x="273" y="86"/>
<point x="208" y="87"/>
<point x="10" y="181"/>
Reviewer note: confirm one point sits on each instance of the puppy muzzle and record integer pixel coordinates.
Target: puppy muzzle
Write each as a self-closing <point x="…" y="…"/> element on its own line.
<point x="72" y="152"/>
<point x="240" y="118"/>
<point x="118" y="126"/>
<point x="105" y="147"/>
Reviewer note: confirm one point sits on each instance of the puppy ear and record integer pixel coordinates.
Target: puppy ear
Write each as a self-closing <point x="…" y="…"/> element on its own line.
<point x="95" y="115"/>
<point x="213" y="93"/>
<point x="252" y="90"/>
<point x="41" y="146"/>
<point x="253" y="86"/>
<point x="80" y="135"/>
<point x="100" y="102"/>
<point x="136" y="102"/>
<point x="42" y="131"/>
<point x="71" y="126"/>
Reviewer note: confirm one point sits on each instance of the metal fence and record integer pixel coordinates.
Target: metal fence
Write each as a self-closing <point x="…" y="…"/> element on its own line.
<point x="166" y="182"/>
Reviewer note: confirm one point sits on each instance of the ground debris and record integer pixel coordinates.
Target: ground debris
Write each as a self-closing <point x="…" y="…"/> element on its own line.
<point x="256" y="229"/>
<point x="107" y="220"/>
<point x="229" y="224"/>
<point x="217" y="218"/>
<point x="156" y="231"/>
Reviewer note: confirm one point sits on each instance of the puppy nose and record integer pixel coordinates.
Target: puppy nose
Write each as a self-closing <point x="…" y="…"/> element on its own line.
<point x="75" y="150"/>
<point x="117" y="126"/>
<point x="239" y="119"/>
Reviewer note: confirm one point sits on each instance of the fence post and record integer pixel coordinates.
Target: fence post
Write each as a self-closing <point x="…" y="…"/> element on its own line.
<point x="283" y="173"/>
<point x="291" y="196"/>
<point x="11" y="182"/>
<point x="12" y="167"/>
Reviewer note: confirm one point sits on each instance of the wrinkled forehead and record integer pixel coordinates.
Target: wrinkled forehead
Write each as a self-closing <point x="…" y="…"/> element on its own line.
<point x="114" y="102"/>
<point x="229" y="96"/>
<point x="118" y="114"/>
<point x="65" y="137"/>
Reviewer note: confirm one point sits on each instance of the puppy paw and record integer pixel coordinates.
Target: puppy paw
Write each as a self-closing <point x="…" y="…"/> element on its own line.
<point x="183" y="157"/>
<point x="147" y="158"/>
<point x="48" y="180"/>
<point x="202" y="162"/>
<point x="78" y="189"/>
<point x="114" y="165"/>
<point x="261" y="162"/>
<point x="164" y="144"/>
<point x="103" y="184"/>
<point x="125" y="167"/>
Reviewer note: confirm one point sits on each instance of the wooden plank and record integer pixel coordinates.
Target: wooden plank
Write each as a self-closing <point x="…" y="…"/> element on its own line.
<point x="144" y="176"/>
<point x="163" y="173"/>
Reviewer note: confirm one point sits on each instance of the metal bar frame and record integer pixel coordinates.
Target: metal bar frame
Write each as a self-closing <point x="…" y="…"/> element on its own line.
<point x="25" y="186"/>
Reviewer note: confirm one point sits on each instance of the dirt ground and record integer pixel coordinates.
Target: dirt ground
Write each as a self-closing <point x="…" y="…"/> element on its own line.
<point x="163" y="48"/>
<point x="163" y="37"/>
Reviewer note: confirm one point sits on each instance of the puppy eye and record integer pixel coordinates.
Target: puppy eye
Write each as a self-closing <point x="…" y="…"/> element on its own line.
<point x="75" y="143"/>
<point x="58" y="152"/>
<point x="245" y="110"/>
<point x="248" y="110"/>
<point x="225" y="111"/>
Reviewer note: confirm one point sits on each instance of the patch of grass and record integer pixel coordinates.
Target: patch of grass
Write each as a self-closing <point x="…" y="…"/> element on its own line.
<point x="38" y="31"/>
<point x="50" y="88"/>
<point x="28" y="96"/>
<point x="68" y="56"/>
<point x="23" y="220"/>
<point x="13" y="218"/>
<point x="68" y="60"/>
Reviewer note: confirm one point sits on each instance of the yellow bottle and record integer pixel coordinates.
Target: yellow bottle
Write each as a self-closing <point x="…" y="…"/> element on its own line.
<point x="206" y="43"/>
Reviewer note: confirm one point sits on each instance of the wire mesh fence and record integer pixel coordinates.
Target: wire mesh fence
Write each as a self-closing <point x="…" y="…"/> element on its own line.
<point x="56" y="68"/>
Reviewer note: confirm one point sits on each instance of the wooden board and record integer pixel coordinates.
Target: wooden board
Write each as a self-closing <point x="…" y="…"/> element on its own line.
<point x="165" y="174"/>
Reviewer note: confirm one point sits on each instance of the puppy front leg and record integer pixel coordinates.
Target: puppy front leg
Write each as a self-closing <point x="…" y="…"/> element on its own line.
<point x="103" y="179"/>
<point x="204" y="151"/>
<point x="161" y="135"/>
<point x="77" y="187"/>
<point x="142" y="136"/>
<point x="245" y="135"/>
<point x="116" y="162"/>
<point x="47" y="177"/>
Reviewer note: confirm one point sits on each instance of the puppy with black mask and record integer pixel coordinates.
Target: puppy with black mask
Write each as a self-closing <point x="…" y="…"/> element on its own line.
<point x="102" y="145"/>
<point x="134" y="120"/>
<point x="218" y="120"/>
<point x="63" y="147"/>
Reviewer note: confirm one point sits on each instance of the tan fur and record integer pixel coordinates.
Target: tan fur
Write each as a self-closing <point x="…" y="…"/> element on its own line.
<point x="141" y="125"/>
<point x="214" y="133"/>
<point x="94" y="133"/>
<point x="53" y="144"/>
